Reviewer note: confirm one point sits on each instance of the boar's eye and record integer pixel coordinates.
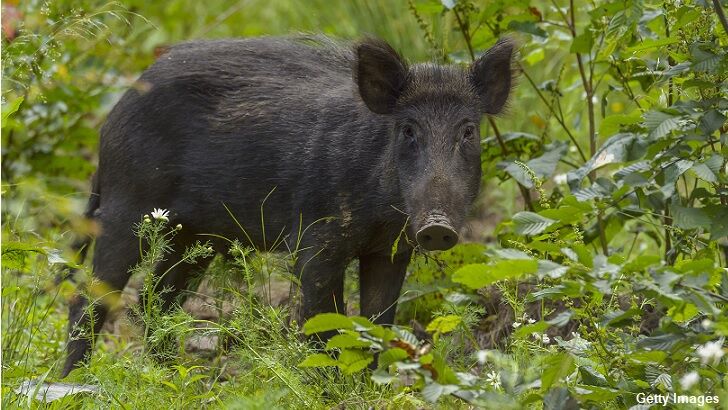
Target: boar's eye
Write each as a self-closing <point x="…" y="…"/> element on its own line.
<point x="409" y="133"/>
<point x="468" y="133"/>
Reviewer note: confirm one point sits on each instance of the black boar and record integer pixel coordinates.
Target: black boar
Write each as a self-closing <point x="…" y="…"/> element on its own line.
<point x="347" y="146"/>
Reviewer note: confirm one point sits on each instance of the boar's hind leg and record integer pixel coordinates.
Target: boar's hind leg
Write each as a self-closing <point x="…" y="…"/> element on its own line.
<point x="380" y="281"/>
<point x="116" y="252"/>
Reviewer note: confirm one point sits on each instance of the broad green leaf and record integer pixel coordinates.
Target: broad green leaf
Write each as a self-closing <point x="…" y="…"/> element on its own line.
<point x="392" y="355"/>
<point x="650" y="43"/>
<point x="324" y="322"/>
<point x="434" y="390"/>
<point x="556" y="367"/>
<point x="705" y="173"/>
<point x="478" y="275"/>
<point x="689" y="218"/>
<point x="582" y="43"/>
<point x="660" y="123"/>
<point x="352" y="361"/>
<point x="712" y="121"/>
<point x="444" y="324"/>
<point x="543" y="166"/>
<point x="613" y="123"/>
<point x="529" y="223"/>
<point x="346" y="340"/>
<point x="616" y="149"/>
<point x="318" y="360"/>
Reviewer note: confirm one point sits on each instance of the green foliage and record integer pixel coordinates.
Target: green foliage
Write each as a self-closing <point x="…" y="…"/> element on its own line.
<point x="602" y="280"/>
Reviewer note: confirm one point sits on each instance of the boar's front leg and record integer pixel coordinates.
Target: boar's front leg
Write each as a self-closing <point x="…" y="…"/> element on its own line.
<point x="321" y="275"/>
<point x="380" y="281"/>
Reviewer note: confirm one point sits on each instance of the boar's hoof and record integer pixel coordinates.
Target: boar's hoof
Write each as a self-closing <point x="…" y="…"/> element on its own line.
<point x="437" y="237"/>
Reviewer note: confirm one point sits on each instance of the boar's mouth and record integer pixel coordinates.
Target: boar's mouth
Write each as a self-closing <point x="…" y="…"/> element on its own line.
<point x="437" y="233"/>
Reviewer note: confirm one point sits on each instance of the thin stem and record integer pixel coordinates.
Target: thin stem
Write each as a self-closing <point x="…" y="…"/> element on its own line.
<point x="721" y="15"/>
<point x="559" y="118"/>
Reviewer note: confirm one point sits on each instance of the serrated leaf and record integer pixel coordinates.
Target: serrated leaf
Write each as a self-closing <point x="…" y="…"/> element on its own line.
<point x="660" y="123"/>
<point x="529" y="223"/>
<point x="712" y="121"/>
<point x="478" y="275"/>
<point x="318" y="360"/>
<point x="325" y="322"/>
<point x="632" y="168"/>
<point x="704" y="173"/>
<point x="352" y="361"/>
<point x="543" y="166"/>
<point x="689" y="218"/>
<point x="615" y="149"/>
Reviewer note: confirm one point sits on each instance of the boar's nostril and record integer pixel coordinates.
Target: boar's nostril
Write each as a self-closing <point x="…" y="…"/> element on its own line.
<point x="437" y="237"/>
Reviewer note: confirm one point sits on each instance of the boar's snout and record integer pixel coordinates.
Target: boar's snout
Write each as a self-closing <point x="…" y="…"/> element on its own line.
<point x="437" y="235"/>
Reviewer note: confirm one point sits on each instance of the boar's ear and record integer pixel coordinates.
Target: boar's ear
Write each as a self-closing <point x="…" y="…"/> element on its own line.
<point x="492" y="76"/>
<point x="380" y="74"/>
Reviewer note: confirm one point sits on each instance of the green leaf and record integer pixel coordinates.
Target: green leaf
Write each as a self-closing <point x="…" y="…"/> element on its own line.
<point x="616" y="149"/>
<point x="529" y="27"/>
<point x="529" y="223"/>
<point x="559" y="398"/>
<point x="318" y="360"/>
<point x="444" y="324"/>
<point x="712" y="121"/>
<point x="650" y="43"/>
<point x="556" y="367"/>
<point x="689" y="218"/>
<point x="11" y="108"/>
<point x="392" y="355"/>
<point x="660" y="123"/>
<point x="613" y="123"/>
<point x="478" y="275"/>
<point x="346" y="340"/>
<point x="705" y="173"/>
<point x="352" y="361"/>
<point x="543" y="166"/>
<point x="582" y="43"/>
<point x="526" y="330"/>
<point x="324" y="322"/>
<point x="434" y="390"/>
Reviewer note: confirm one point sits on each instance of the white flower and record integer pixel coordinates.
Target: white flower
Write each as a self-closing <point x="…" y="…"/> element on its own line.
<point x="544" y="338"/>
<point x="531" y="321"/>
<point x="160" y="214"/>
<point x="482" y="356"/>
<point x="689" y="380"/>
<point x="494" y="379"/>
<point x="711" y="352"/>
<point x="560" y="179"/>
<point x="706" y="323"/>
<point x="516" y="325"/>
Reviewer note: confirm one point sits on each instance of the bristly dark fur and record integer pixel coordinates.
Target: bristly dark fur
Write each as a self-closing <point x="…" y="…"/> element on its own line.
<point x="336" y="148"/>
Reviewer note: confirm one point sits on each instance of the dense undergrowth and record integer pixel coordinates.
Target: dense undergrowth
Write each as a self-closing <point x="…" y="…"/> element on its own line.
<point x="596" y="267"/>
